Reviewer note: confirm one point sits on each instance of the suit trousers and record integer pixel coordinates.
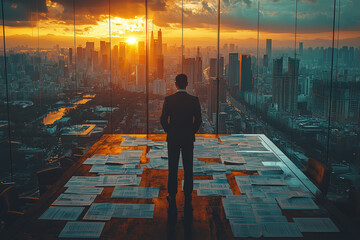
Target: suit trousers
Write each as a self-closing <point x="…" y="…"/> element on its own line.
<point x="187" y="153"/>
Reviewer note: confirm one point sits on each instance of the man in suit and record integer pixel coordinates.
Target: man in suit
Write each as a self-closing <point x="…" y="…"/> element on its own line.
<point x="181" y="119"/>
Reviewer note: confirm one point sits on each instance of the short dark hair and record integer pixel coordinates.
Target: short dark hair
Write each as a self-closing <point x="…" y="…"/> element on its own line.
<point x="181" y="81"/>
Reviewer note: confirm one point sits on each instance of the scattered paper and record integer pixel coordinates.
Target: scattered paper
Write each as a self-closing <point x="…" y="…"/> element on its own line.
<point x="316" y="225"/>
<point x="62" y="213"/>
<point x="82" y="230"/>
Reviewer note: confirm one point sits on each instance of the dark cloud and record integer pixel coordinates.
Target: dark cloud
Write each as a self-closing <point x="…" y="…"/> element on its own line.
<point x="21" y="12"/>
<point x="206" y="7"/>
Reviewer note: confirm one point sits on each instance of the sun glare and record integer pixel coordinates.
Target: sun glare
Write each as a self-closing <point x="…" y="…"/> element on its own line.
<point x="131" y="40"/>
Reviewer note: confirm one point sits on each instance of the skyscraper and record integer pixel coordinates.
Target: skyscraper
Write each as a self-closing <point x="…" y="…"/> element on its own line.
<point x="245" y="74"/>
<point x="301" y="48"/>
<point x="70" y="56"/>
<point x="277" y="79"/>
<point x="233" y="70"/>
<point x="269" y="48"/>
<point x="213" y="67"/>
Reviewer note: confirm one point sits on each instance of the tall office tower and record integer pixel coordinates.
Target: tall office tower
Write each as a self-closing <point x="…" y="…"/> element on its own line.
<point x="189" y="70"/>
<point x="115" y="55"/>
<point x="122" y="50"/>
<point x="351" y="56"/>
<point x="70" y="56"/>
<point x="102" y="49"/>
<point x="142" y="52"/>
<point x="269" y="48"/>
<point x="290" y="85"/>
<point x="159" y="43"/>
<point x="95" y="58"/>
<point x="89" y="48"/>
<point x="79" y="54"/>
<point x="152" y="55"/>
<point x="140" y="75"/>
<point x="104" y="62"/>
<point x="277" y="81"/>
<point x="301" y="48"/>
<point x="198" y="67"/>
<point x="266" y="61"/>
<point x="156" y="58"/>
<point x="213" y="67"/>
<point x="245" y="74"/>
<point x="232" y="47"/>
<point x="233" y="79"/>
<point x="122" y="55"/>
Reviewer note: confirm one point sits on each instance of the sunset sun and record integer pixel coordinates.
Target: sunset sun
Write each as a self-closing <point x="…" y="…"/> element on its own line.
<point x="131" y="40"/>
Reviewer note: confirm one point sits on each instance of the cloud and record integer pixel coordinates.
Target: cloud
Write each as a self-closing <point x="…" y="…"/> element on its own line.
<point x="275" y="15"/>
<point x="23" y="13"/>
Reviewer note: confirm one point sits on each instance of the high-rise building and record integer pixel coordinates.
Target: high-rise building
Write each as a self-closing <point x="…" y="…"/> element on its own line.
<point x="266" y="61"/>
<point x="233" y="80"/>
<point x="140" y="75"/>
<point x="79" y="54"/>
<point x="245" y="74"/>
<point x="269" y="48"/>
<point x="301" y="48"/>
<point x="70" y="56"/>
<point x="285" y="85"/>
<point x="115" y="54"/>
<point x="198" y="67"/>
<point x="156" y="58"/>
<point x="213" y="67"/>
<point x="277" y="81"/>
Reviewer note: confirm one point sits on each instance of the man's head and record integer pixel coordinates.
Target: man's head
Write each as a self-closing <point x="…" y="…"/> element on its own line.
<point x="181" y="81"/>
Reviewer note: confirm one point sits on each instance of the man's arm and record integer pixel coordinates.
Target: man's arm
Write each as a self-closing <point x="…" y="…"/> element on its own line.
<point x="198" y="119"/>
<point x="165" y="116"/>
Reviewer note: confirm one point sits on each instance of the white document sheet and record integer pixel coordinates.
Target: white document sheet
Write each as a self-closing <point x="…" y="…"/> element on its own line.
<point x="62" y="213"/>
<point x="82" y="230"/>
<point x="128" y="210"/>
<point x="284" y="229"/>
<point x="297" y="203"/>
<point x="100" y="211"/>
<point x="246" y="230"/>
<point x="74" y="200"/>
<point x="84" y="190"/>
<point x="135" y="192"/>
<point x="316" y="225"/>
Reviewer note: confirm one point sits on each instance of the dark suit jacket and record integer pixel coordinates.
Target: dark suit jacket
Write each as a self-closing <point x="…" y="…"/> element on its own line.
<point x="181" y="117"/>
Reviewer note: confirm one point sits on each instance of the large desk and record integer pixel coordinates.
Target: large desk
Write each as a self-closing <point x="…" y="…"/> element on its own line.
<point x="207" y="221"/>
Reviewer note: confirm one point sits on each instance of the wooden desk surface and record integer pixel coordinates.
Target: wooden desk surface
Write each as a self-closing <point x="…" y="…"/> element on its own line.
<point x="207" y="221"/>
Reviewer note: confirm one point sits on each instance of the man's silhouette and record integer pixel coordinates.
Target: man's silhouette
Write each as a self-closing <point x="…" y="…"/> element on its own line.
<point x="181" y="119"/>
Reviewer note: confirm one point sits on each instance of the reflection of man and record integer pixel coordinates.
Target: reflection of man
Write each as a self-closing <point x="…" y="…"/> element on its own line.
<point x="181" y="119"/>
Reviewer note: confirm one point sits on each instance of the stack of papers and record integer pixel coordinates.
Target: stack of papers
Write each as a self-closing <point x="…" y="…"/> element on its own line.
<point x="82" y="230"/>
<point x="135" y="192"/>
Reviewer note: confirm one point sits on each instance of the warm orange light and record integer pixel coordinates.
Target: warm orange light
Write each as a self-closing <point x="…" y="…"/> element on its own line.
<point x="131" y="40"/>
